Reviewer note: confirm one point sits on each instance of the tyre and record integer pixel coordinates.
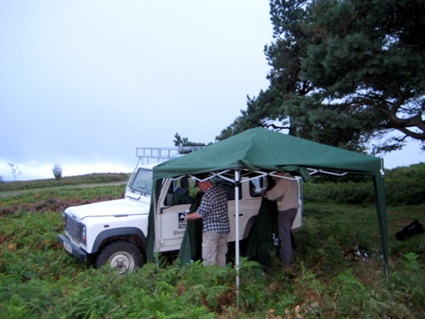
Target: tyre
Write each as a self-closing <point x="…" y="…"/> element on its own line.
<point x="122" y="255"/>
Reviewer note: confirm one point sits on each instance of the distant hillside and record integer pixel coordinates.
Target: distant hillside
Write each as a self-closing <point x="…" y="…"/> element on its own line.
<point x="96" y="178"/>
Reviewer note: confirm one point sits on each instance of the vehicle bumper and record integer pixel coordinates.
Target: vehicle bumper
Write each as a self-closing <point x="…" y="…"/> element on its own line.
<point x="73" y="249"/>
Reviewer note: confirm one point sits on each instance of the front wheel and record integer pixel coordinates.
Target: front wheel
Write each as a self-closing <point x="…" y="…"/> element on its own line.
<point x="122" y="255"/>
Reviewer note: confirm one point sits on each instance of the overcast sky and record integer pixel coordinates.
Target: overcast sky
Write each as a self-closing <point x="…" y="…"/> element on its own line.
<point x="85" y="82"/>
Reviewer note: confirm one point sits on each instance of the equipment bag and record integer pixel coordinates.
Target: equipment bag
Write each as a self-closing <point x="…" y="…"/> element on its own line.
<point x="413" y="228"/>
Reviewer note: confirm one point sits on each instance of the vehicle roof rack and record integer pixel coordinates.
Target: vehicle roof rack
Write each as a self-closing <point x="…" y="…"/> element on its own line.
<point x="162" y="154"/>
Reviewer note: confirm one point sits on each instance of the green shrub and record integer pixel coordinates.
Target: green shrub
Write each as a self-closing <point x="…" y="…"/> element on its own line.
<point x="339" y="192"/>
<point x="408" y="281"/>
<point x="403" y="186"/>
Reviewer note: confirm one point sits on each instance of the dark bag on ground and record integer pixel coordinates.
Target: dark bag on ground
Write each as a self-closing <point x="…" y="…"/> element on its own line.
<point x="413" y="228"/>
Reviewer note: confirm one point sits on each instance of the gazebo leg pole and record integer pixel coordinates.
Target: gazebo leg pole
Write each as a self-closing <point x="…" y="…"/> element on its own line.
<point x="237" y="256"/>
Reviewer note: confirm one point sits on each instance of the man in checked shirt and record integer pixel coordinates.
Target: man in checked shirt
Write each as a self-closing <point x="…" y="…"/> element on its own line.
<point x="215" y="221"/>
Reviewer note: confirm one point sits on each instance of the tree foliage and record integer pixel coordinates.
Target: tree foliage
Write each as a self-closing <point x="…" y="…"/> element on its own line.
<point x="343" y="73"/>
<point x="57" y="171"/>
<point x="184" y="141"/>
<point x="370" y="55"/>
<point x="15" y="170"/>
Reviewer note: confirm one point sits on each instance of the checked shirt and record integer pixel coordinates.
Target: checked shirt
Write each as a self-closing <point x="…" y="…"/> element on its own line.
<point x="213" y="210"/>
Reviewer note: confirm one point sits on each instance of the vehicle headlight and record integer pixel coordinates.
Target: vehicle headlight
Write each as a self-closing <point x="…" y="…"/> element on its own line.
<point x="64" y="219"/>
<point x="84" y="235"/>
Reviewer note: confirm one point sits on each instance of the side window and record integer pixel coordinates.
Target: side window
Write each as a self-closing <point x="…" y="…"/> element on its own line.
<point x="257" y="185"/>
<point x="182" y="191"/>
<point x="229" y="187"/>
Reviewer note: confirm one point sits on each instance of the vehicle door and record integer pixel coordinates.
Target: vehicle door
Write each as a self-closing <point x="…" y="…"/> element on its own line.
<point x="174" y="201"/>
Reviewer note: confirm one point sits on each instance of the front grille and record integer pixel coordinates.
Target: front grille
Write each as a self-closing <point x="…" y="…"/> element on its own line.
<point x="73" y="228"/>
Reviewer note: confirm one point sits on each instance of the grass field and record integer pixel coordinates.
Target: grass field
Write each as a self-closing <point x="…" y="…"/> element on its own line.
<point x="40" y="280"/>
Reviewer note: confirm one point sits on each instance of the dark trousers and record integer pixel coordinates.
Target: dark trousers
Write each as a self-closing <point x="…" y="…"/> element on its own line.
<point x="285" y="220"/>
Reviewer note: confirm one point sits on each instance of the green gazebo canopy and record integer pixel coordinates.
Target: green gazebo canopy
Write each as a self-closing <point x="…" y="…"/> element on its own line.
<point x="260" y="149"/>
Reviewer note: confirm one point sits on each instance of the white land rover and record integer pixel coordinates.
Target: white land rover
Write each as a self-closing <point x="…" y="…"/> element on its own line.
<point x="115" y="231"/>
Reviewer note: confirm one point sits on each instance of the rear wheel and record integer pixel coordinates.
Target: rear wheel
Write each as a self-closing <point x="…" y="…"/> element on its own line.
<point x="122" y="255"/>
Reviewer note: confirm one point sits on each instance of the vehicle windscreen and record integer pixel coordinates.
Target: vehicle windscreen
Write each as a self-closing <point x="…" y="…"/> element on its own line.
<point x="142" y="181"/>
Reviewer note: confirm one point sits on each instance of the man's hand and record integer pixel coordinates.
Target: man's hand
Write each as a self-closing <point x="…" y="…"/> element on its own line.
<point x="191" y="216"/>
